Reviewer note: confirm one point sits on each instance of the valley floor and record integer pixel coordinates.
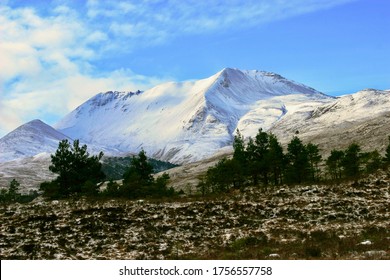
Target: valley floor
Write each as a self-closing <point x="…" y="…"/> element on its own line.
<point x="343" y="221"/>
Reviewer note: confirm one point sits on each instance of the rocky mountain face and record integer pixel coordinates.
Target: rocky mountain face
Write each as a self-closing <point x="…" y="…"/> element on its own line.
<point x="340" y="221"/>
<point x="189" y="121"/>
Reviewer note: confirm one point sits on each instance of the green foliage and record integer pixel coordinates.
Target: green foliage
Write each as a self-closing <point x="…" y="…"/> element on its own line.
<point x="224" y="175"/>
<point x="115" y="167"/>
<point x="351" y="161"/>
<point x="265" y="159"/>
<point x="78" y="172"/>
<point x="138" y="178"/>
<point x="203" y="186"/>
<point x="262" y="162"/>
<point x="314" y="158"/>
<point x="239" y="148"/>
<point x="139" y="182"/>
<point x="140" y="169"/>
<point x="51" y="189"/>
<point x="12" y="194"/>
<point x="372" y="161"/>
<point x="276" y="159"/>
<point x="298" y="166"/>
<point x="334" y="164"/>
<point x="13" y="189"/>
<point x="161" y="188"/>
<point x="386" y="159"/>
<point x="112" y="190"/>
<point x="259" y="155"/>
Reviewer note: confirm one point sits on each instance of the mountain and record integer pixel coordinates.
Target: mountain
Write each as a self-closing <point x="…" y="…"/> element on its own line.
<point x="195" y="120"/>
<point x="30" y="139"/>
<point x="188" y="121"/>
<point x="362" y="117"/>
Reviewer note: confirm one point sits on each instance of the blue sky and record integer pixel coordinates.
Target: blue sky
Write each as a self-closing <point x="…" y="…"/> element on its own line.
<point x="54" y="55"/>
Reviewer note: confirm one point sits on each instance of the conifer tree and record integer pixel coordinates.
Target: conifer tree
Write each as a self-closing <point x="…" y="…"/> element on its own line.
<point x="334" y="164"/>
<point x="251" y="168"/>
<point x="260" y="155"/>
<point x="276" y="159"/>
<point x="372" y="161"/>
<point x="386" y="159"/>
<point x="138" y="179"/>
<point x="219" y="177"/>
<point x="351" y="161"/>
<point x="13" y="190"/>
<point x="314" y="157"/>
<point x="239" y="148"/>
<point x="298" y="163"/>
<point x="141" y="167"/>
<point x="75" y="167"/>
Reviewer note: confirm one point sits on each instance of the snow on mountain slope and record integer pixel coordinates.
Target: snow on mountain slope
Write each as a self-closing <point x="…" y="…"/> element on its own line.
<point x="29" y="139"/>
<point x="363" y="117"/>
<point x="188" y="121"/>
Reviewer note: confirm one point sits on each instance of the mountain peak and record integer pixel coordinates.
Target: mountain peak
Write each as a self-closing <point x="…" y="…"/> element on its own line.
<point x="187" y="121"/>
<point x="35" y="122"/>
<point x="29" y="139"/>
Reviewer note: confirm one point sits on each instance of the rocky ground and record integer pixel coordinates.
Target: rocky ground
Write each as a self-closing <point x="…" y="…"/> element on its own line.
<point x="341" y="221"/>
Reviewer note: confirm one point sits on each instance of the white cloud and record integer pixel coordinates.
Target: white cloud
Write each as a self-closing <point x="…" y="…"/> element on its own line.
<point x="48" y="69"/>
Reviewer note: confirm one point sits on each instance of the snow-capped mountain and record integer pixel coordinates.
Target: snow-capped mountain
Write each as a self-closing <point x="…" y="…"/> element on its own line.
<point x="362" y="117"/>
<point x="30" y="139"/>
<point x="188" y="121"/>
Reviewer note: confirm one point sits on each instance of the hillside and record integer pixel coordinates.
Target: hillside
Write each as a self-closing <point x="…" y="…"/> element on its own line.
<point x="341" y="221"/>
<point x="362" y="117"/>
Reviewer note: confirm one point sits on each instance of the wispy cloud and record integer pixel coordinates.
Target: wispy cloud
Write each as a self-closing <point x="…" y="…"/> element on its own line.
<point x="166" y="19"/>
<point x="48" y="54"/>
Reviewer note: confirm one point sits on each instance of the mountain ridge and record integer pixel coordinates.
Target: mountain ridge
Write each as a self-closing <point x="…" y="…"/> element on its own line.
<point x="206" y="113"/>
<point x="184" y="121"/>
<point x="188" y="121"/>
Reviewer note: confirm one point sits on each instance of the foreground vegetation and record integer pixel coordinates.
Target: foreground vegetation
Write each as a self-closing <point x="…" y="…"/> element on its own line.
<point x="340" y="221"/>
<point x="79" y="174"/>
<point x="262" y="162"/>
<point x="260" y="204"/>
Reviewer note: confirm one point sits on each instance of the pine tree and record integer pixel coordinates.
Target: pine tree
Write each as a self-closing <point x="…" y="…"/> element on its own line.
<point x="314" y="157"/>
<point x="260" y="155"/>
<point x="351" y="161"/>
<point x="298" y="162"/>
<point x="276" y="159"/>
<point x="13" y="187"/>
<point x="386" y="159"/>
<point x="75" y="167"/>
<point x="138" y="179"/>
<point x="240" y="160"/>
<point x="13" y="190"/>
<point x="372" y="161"/>
<point x="140" y="167"/>
<point x="239" y="148"/>
<point x="251" y="168"/>
<point x="161" y="188"/>
<point x="334" y="164"/>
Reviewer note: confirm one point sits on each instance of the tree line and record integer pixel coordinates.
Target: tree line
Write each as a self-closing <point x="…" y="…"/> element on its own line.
<point x="262" y="162"/>
<point x="12" y="194"/>
<point x="80" y="174"/>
